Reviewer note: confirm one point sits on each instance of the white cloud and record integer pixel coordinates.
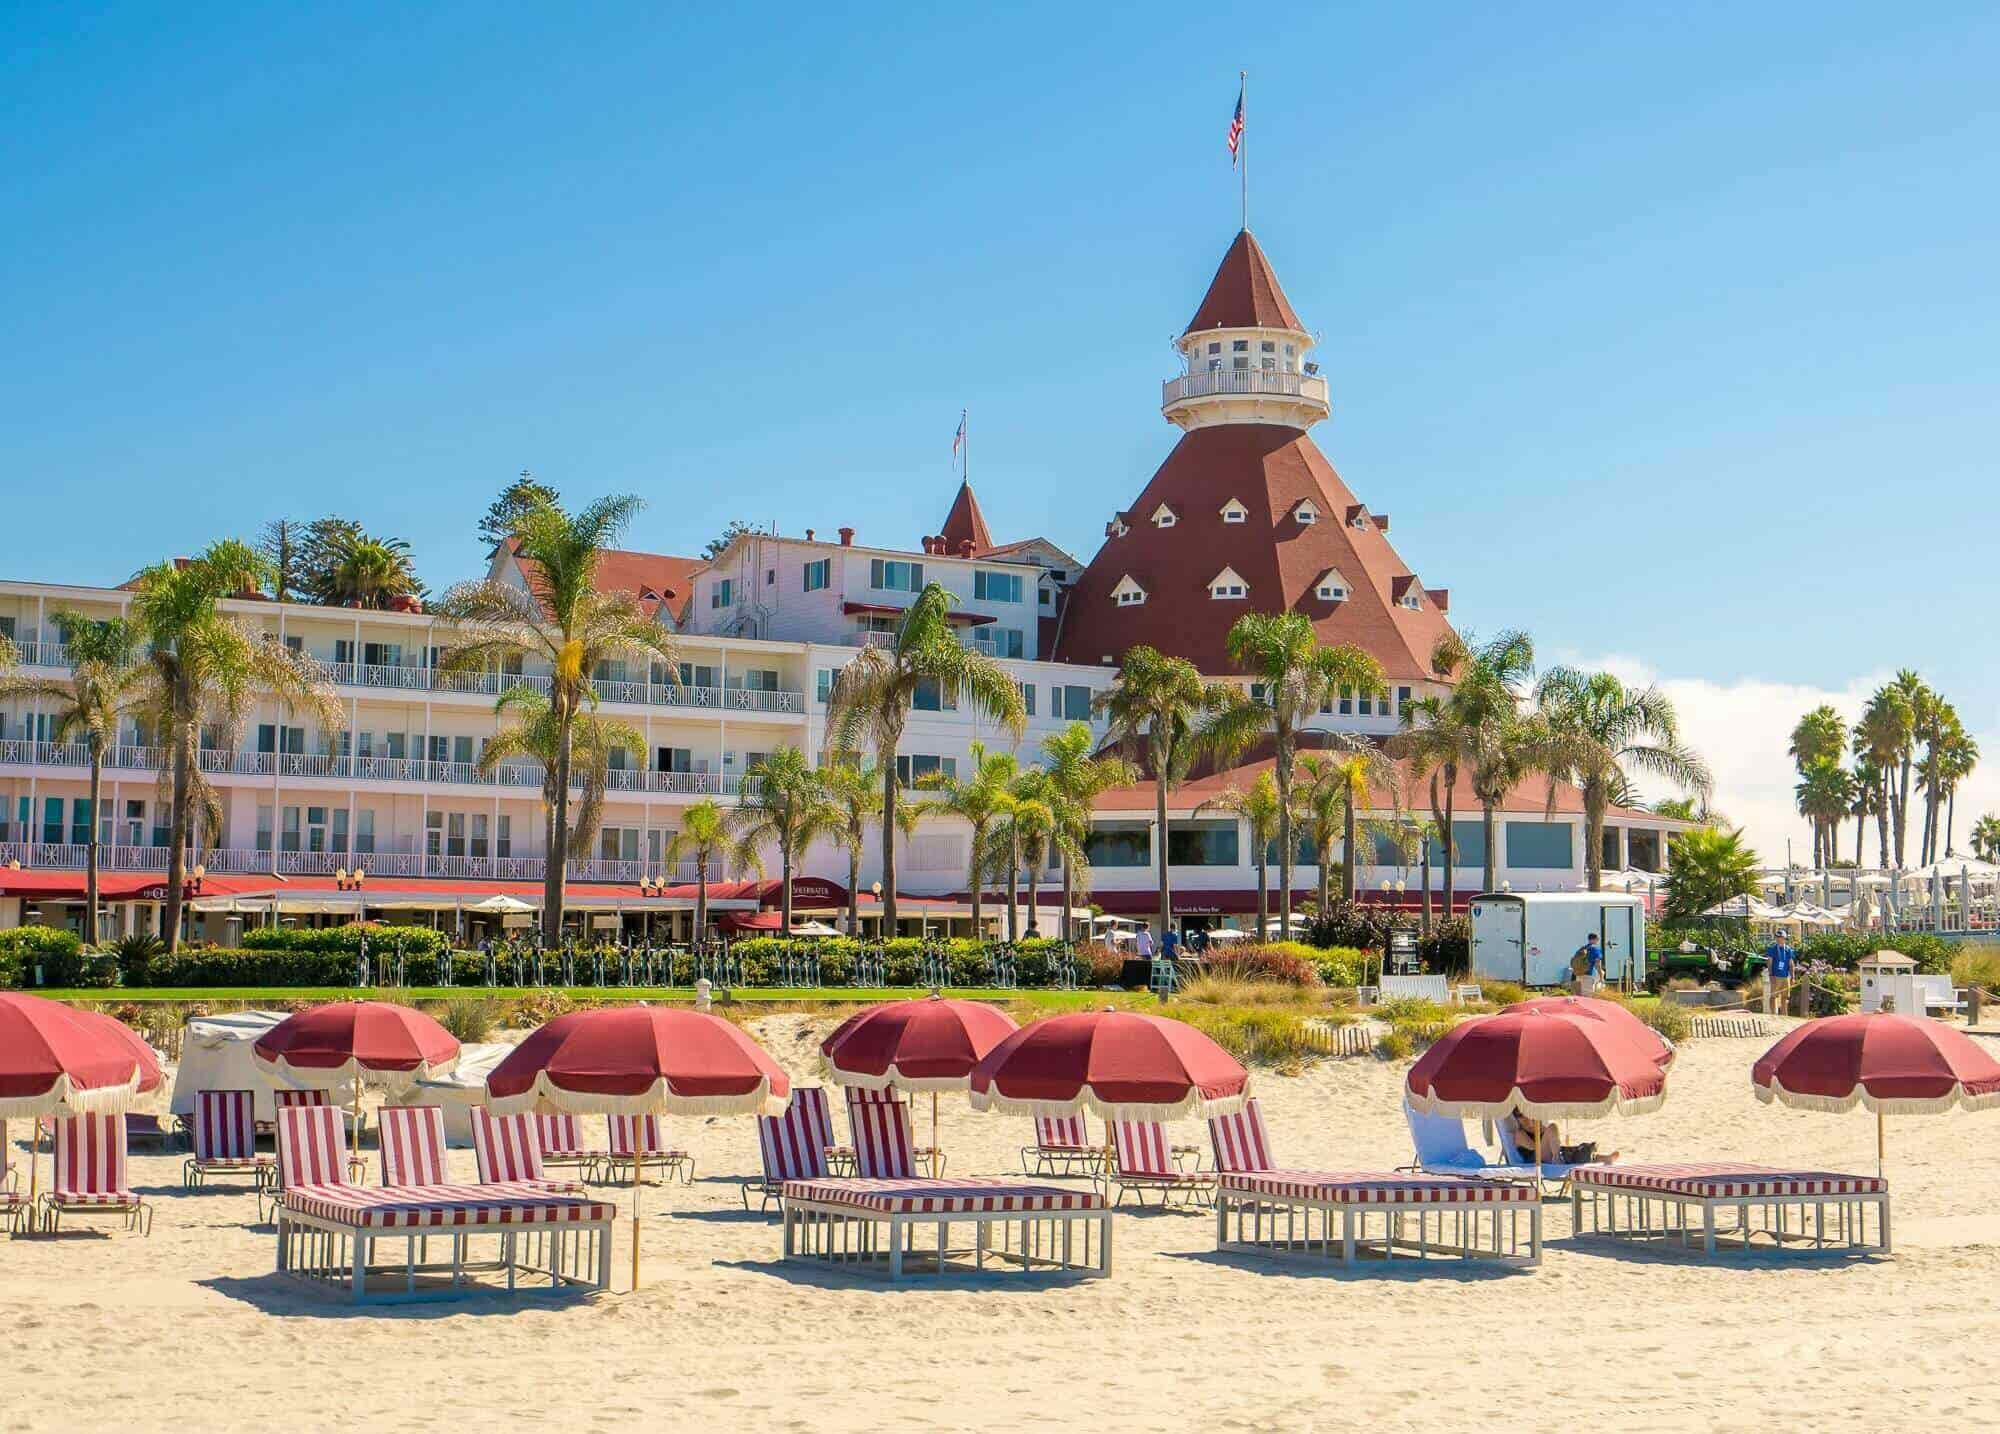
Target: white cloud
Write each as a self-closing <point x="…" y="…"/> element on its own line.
<point x="1744" y="728"/>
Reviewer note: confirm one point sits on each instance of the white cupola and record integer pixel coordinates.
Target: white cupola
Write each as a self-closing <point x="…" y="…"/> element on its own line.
<point x="1243" y="355"/>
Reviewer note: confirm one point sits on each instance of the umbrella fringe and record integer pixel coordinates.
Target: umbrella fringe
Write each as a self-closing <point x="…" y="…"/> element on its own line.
<point x="1616" y="1103"/>
<point x="660" y="1098"/>
<point x="1957" y="1098"/>
<point x="1194" y="1105"/>
<point x="348" y="1071"/>
<point x="892" y="1079"/>
<point x="64" y="1099"/>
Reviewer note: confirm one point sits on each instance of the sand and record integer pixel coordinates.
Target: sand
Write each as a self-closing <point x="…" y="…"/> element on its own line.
<point x="190" y="1327"/>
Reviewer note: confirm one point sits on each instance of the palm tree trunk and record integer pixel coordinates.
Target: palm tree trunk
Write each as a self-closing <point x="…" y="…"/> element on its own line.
<point x="1034" y="891"/>
<point x="1490" y="829"/>
<point x="1325" y="855"/>
<point x="700" y="896"/>
<point x="1068" y="899"/>
<point x="975" y="877"/>
<point x="177" y="836"/>
<point x="1593" y="834"/>
<point x="556" y="869"/>
<point x="1882" y="817"/>
<point x="90" y="847"/>
<point x="1350" y="860"/>
<point x="1450" y="840"/>
<point x="1950" y="817"/>
<point x="1264" y="902"/>
<point x="1013" y="889"/>
<point x="1160" y="835"/>
<point x="888" y="759"/>
<point x="854" y="886"/>
<point x="1424" y="875"/>
<point x="1284" y="776"/>
<point x="1903" y="813"/>
<point x="785" y="889"/>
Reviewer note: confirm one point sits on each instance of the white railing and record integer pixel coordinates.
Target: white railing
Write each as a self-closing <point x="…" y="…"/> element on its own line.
<point x="1206" y="382"/>
<point x="239" y="861"/>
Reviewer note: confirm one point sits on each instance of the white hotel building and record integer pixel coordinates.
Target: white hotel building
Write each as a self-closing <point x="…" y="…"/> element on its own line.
<point x="1244" y="513"/>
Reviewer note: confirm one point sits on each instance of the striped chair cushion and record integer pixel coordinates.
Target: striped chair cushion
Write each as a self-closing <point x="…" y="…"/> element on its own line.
<point x="1062" y="1132"/>
<point x="1371" y="1187"/>
<point x="412" y="1138"/>
<point x="880" y="1125"/>
<point x="312" y="1147"/>
<point x="90" y="1161"/>
<point x="941" y="1197"/>
<point x="425" y="1207"/>
<point x="505" y="1146"/>
<point x="794" y="1144"/>
<point x="561" y="1135"/>
<point x="1239" y="1140"/>
<point x="643" y="1134"/>
<point x="1141" y="1148"/>
<point x="1726" y="1182"/>
<point x="225" y="1128"/>
<point x="287" y="1098"/>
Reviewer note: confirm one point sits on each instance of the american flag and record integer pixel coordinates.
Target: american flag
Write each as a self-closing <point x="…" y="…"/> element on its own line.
<point x="1236" y="130"/>
<point x="958" y="438"/>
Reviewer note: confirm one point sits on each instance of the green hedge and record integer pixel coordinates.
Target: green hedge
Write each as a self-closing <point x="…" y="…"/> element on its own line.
<point x="346" y="940"/>
<point x="58" y="953"/>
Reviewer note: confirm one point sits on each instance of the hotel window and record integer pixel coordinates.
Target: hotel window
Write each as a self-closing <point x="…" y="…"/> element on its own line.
<point x="1402" y="699"/>
<point x="890" y="575"/>
<point x="1215" y="348"/>
<point x="1075" y="703"/>
<point x="382" y="654"/>
<point x="434" y="834"/>
<point x="1235" y="512"/>
<point x="288" y="834"/>
<point x="294" y="644"/>
<point x="723" y="594"/>
<point x="1126" y="844"/>
<point x="697" y="675"/>
<point x="316" y="831"/>
<point x="1048" y="596"/>
<point x="364" y="832"/>
<point x="1027" y="697"/>
<point x="928" y="697"/>
<point x="263" y="828"/>
<point x="479" y="834"/>
<point x="135" y="823"/>
<point x="823" y="685"/>
<point x="770" y="576"/>
<point x="339" y="830"/>
<point x="503" y="835"/>
<point x="79" y="821"/>
<point x="998" y="641"/>
<point x="454" y="841"/>
<point x="1129" y="593"/>
<point x="1306" y="513"/>
<point x="1163" y="517"/>
<point x="1333" y="590"/>
<point x="1365" y="705"/>
<point x="1227" y="589"/>
<point x="996" y="587"/>
<point x="1202" y="843"/>
<point x="1412" y="601"/>
<point x="818" y="574"/>
<point x="1540" y="846"/>
<point x="915" y="769"/>
<point x="1347" y="701"/>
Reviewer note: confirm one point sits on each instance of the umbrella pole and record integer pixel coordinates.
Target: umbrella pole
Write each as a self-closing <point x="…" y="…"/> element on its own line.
<point x="1881" y="1142"/>
<point x="635" y="1216"/>
<point x="934" y="1139"/>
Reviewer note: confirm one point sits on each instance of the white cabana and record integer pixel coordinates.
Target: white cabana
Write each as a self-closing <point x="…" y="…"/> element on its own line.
<point x="462" y="1089"/>
<point x="216" y="1055"/>
<point x="1805" y="913"/>
<point x="1750" y="908"/>
<point x="502" y="905"/>
<point x="1226" y="934"/>
<point x="1983" y="873"/>
<point x="812" y="928"/>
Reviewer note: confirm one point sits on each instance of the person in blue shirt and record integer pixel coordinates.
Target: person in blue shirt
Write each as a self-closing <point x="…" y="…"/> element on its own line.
<point x="1170" y="941"/>
<point x="1778" y="959"/>
<point x="1591" y="956"/>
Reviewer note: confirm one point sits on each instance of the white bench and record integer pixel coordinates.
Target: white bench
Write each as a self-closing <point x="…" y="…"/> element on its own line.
<point x="1425" y="988"/>
<point x="1936" y="993"/>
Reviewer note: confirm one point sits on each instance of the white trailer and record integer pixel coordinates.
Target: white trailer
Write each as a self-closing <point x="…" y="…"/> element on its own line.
<point x="1529" y="936"/>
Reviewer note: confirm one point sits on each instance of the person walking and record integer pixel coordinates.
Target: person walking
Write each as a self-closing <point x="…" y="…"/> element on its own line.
<point x="1144" y="943"/>
<point x="1779" y="958"/>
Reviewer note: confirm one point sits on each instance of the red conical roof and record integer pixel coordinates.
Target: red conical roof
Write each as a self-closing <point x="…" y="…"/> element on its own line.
<point x="1244" y="293"/>
<point x="965" y="523"/>
<point x="1270" y="470"/>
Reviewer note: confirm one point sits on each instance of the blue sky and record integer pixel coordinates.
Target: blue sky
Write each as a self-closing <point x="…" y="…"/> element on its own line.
<point x="1667" y="336"/>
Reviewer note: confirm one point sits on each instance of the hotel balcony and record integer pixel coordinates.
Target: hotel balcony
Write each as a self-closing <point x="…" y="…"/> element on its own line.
<point x="379" y="865"/>
<point x="15" y="752"/>
<point x="1244" y="395"/>
<point x="377" y="677"/>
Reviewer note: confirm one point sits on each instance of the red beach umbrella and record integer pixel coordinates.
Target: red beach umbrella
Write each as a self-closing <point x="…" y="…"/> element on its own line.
<point x="1121" y="1064"/>
<point x="1547" y="1067"/>
<point x="1591" y="1008"/>
<point x="327" y="1046"/>
<point x="55" y="1062"/>
<point x="930" y="1044"/>
<point x="151" y="1075"/>
<point x="639" y="1060"/>
<point x="1891" y="1063"/>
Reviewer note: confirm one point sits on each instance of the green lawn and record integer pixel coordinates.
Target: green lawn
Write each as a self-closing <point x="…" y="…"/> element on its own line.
<point x="844" y="995"/>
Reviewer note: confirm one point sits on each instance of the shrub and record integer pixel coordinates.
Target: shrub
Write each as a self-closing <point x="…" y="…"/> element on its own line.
<point x="1977" y="966"/>
<point x="134" y="953"/>
<point x="1285" y="962"/>
<point x="58" y="953"/>
<point x="1342" y="965"/>
<point x="1670" y="1018"/>
<point x="1395" y="1045"/>
<point x="1419" y="1020"/>
<point x="469" y="1021"/>
<point x="1217" y="989"/>
<point x="412" y="941"/>
<point x="1449" y="946"/>
<point x="1354" y="923"/>
<point x="1257" y="1035"/>
<point x="1502" y="993"/>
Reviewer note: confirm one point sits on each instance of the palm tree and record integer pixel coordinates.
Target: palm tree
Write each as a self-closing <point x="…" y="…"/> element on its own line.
<point x="1710" y="865"/>
<point x="1077" y="778"/>
<point x="1484" y="719"/>
<point x="1258" y="808"/>
<point x="978" y="799"/>
<point x="1868" y="802"/>
<point x="1438" y="743"/>
<point x="1986" y="838"/>
<point x="1596" y="732"/>
<point x="870" y="703"/>
<point x="206" y="668"/>
<point x="1322" y="803"/>
<point x="535" y="735"/>
<point x="1880" y="739"/>
<point x="105" y="677"/>
<point x="1022" y="836"/>
<point x="1825" y="791"/>
<point x="368" y="572"/>
<point x="784" y="806"/>
<point x="1157" y="708"/>
<point x="705" y="839"/>
<point x="1822" y="732"/>
<point x="1906" y="700"/>
<point x="564" y="620"/>
<point x="1292" y="678"/>
<point x="854" y="789"/>
<point x="1948" y="760"/>
<point x="1361" y="768"/>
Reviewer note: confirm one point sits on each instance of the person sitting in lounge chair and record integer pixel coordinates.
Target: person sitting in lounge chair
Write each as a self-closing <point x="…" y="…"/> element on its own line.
<point x="1530" y="1141"/>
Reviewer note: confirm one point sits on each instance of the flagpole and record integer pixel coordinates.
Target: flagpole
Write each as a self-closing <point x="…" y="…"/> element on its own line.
<point x="1243" y="142"/>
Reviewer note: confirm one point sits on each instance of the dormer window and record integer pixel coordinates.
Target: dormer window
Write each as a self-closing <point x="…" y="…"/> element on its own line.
<point x="1163" y="517"/>
<point x="1227" y="586"/>
<point x="1128" y="593"/>
<point x="1412" y="602"/>
<point x="1332" y="587"/>
<point x="1306" y="513"/>
<point x="1359" y="520"/>
<point x="1235" y="512"/>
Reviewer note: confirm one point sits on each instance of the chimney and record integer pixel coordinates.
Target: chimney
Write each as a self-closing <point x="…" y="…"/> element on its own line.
<point x="809" y="535"/>
<point x="965" y="547"/>
<point x="847" y="537"/>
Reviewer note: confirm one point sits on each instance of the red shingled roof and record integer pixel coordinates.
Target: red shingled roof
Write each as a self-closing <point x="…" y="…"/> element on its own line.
<point x="1268" y="469"/>
<point x="966" y="523"/>
<point x="1244" y="293"/>
<point x="654" y="578"/>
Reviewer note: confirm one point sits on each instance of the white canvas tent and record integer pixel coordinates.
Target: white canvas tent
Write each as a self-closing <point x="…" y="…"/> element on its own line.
<point x="462" y="1089"/>
<point x="216" y="1055"/>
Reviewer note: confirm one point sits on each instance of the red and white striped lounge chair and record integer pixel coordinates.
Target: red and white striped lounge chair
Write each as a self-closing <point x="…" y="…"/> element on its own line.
<point x="641" y="1138"/>
<point x="1142" y="1160"/>
<point x="508" y="1150"/>
<point x="412" y="1144"/>
<point x="561" y="1137"/>
<point x="285" y="1097"/>
<point x="878" y="1121"/>
<point x="793" y="1146"/>
<point x="90" y="1174"/>
<point x="12" y="1205"/>
<point x="1241" y="1146"/>
<point x="225" y="1139"/>
<point x="1062" y="1147"/>
<point x="312" y="1150"/>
